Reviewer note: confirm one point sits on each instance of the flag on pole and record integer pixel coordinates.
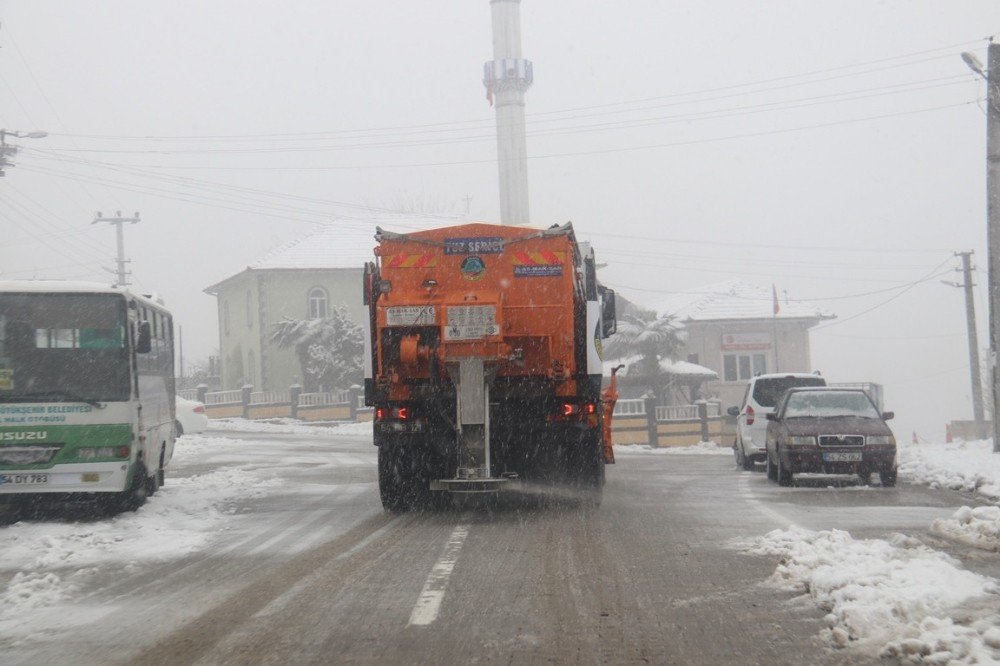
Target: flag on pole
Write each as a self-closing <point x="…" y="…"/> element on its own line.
<point x="774" y="294"/>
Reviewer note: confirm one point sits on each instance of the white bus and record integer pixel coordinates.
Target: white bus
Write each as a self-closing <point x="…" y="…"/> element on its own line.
<point x="86" y="393"/>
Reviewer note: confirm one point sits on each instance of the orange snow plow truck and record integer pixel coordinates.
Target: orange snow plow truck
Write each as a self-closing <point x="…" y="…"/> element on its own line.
<point x="483" y="362"/>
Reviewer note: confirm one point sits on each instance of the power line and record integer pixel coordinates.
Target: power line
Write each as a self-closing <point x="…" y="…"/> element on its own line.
<point x="485" y="121"/>
<point x="886" y="301"/>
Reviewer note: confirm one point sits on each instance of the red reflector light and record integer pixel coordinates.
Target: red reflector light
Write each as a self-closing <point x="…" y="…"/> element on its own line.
<point x="590" y="408"/>
<point x="380" y="412"/>
<point x="749" y="415"/>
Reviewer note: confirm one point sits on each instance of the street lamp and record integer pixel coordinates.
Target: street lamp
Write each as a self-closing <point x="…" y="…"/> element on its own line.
<point x="6" y="150"/>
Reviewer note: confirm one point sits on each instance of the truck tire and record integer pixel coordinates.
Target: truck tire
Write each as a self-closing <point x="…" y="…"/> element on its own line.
<point x="391" y="488"/>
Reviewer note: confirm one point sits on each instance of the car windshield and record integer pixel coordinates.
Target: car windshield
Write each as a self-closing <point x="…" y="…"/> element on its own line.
<point x="828" y="404"/>
<point x="63" y="348"/>
<point x="767" y="391"/>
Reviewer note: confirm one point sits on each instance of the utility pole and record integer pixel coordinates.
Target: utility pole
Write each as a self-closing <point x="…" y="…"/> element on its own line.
<point x="992" y="77"/>
<point x="970" y="322"/>
<point x="118" y="221"/>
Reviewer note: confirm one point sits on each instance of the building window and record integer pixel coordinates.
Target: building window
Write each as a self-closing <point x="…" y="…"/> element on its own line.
<point x="317" y="303"/>
<point x="741" y="367"/>
<point x="225" y="316"/>
<point x="249" y="309"/>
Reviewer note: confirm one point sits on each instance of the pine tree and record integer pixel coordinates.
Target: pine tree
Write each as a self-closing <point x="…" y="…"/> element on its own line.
<point x="329" y="349"/>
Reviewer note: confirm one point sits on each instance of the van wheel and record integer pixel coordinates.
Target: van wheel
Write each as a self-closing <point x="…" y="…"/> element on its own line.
<point x="747" y="460"/>
<point x="888" y="477"/>
<point x="784" y="474"/>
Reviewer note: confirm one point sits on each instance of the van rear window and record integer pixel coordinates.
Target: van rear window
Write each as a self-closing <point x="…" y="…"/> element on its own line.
<point x="767" y="391"/>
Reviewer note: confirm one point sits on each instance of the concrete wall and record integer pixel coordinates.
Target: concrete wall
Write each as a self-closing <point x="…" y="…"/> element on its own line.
<point x="787" y="350"/>
<point x="258" y="299"/>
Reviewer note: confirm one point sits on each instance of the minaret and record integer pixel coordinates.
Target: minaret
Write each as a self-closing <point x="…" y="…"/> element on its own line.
<point x="506" y="77"/>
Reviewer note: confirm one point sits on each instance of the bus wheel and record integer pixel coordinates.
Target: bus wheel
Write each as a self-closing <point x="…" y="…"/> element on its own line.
<point x="135" y="495"/>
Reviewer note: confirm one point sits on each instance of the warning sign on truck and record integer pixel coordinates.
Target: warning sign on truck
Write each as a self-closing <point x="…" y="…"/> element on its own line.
<point x="471" y="322"/>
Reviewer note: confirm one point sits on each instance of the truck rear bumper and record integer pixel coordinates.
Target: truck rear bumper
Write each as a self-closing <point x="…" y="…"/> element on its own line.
<point x="493" y="485"/>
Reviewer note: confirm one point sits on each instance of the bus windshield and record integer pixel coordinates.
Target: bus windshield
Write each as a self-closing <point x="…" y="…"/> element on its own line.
<point x="63" y="348"/>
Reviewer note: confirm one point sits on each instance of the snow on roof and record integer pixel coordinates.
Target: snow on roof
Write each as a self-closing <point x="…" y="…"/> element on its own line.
<point x="75" y="286"/>
<point x="679" y="368"/>
<point x="345" y="242"/>
<point x="734" y="299"/>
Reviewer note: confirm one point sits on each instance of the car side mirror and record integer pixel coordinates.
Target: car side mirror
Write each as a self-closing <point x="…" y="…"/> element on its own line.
<point x="888" y="416"/>
<point x="733" y="411"/>
<point x="771" y="416"/>
<point x="143" y="338"/>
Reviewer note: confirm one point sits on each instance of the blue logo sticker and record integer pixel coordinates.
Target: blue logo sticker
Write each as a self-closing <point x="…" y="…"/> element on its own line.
<point x="473" y="268"/>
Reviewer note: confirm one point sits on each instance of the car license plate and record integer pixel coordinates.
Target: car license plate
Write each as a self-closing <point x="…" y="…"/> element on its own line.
<point x="842" y="456"/>
<point x="23" y="479"/>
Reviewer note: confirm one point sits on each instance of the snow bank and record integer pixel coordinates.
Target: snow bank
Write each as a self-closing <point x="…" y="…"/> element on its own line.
<point x="979" y="527"/>
<point x="894" y="598"/>
<point x="285" y="426"/>
<point x="53" y="558"/>
<point x="701" y="448"/>
<point x="969" y="466"/>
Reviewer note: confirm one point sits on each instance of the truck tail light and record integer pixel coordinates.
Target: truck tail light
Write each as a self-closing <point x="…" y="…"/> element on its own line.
<point x="199" y="409"/>
<point x="749" y="415"/>
<point x="572" y="411"/>
<point x="399" y="413"/>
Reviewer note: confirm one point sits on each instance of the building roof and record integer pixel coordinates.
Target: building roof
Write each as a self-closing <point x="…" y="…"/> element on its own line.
<point x="730" y="300"/>
<point x="345" y="243"/>
<point x="341" y="243"/>
<point x="683" y="369"/>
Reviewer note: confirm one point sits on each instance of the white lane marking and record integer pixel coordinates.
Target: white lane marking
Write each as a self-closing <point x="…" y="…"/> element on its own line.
<point x="747" y="494"/>
<point x="425" y="611"/>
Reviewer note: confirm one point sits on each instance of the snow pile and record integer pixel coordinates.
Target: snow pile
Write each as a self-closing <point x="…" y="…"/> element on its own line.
<point x="896" y="598"/>
<point x="285" y="426"/>
<point x="701" y="448"/>
<point x="969" y="466"/>
<point x="979" y="527"/>
<point x="53" y="558"/>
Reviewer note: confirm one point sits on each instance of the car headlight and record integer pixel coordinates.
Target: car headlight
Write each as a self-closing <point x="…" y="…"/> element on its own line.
<point x="883" y="440"/>
<point x="802" y="441"/>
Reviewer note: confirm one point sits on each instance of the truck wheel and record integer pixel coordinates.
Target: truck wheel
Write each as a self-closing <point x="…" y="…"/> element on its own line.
<point x="784" y="474"/>
<point x="590" y="477"/>
<point x="771" y="471"/>
<point x="390" y="484"/>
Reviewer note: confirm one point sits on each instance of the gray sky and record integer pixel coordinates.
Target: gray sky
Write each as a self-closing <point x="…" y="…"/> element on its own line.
<point x="833" y="149"/>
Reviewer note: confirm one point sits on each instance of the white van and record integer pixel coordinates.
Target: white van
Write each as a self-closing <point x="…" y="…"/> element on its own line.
<point x="760" y="399"/>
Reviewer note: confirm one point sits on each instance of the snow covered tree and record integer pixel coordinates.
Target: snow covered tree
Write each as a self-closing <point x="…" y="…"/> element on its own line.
<point x="646" y="335"/>
<point x="329" y="349"/>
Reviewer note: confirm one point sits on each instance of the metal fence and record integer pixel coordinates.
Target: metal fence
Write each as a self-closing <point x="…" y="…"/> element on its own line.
<point x="630" y="407"/>
<point x="224" y="397"/>
<point x="270" y="397"/>
<point x="188" y="394"/>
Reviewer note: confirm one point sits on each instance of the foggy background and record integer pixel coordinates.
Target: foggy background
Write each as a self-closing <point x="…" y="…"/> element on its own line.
<point x="836" y="150"/>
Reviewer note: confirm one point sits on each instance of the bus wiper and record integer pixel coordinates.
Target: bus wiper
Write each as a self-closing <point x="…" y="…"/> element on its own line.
<point x="72" y="397"/>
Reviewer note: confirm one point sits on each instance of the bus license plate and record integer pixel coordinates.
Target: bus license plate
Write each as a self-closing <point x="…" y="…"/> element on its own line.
<point x="842" y="456"/>
<point x="23" y="479"/>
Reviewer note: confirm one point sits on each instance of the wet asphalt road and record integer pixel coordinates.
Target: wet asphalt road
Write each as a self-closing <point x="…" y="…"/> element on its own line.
<point x="652" y="576"/>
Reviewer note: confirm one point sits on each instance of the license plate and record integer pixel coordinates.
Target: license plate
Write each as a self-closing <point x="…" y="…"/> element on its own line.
<point x="842" y="456"/>
<point x="23" y="479"/>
